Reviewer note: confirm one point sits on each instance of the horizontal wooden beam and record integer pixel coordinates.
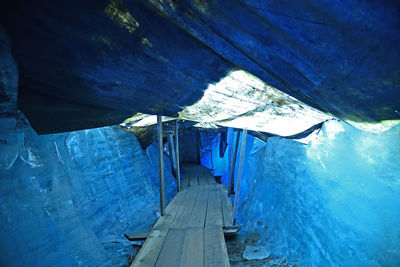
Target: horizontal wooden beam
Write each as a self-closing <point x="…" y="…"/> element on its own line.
<point x="137" y="236"/>
<point x="228" y="231"/>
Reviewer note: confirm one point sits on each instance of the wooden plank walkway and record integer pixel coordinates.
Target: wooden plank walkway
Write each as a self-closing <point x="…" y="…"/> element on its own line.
<point x="191" y="232"/>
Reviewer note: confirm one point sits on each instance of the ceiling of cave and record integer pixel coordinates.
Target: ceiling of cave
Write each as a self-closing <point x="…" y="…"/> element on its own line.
<point x="273" y="66"/>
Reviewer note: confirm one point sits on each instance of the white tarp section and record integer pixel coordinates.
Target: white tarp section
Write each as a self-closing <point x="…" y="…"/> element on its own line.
<point x="241" y="100"/>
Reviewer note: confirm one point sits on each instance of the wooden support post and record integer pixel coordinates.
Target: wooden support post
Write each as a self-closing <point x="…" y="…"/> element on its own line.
<point x="171" y="149"/>
<point x="161" y="164"/>
<point x="177" y="168"/>
<point x="198" y="142"/>
<point x="239" y="177"/>
<point x="232" y="170"/>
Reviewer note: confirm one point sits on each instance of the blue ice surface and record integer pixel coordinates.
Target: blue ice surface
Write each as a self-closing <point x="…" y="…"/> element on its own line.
<point x="333" y="202"/>
<point x="219" y="166"/>
<point x="209" y="154"/>
<point x="169" y="180"/>
<point x="67" y="199"/>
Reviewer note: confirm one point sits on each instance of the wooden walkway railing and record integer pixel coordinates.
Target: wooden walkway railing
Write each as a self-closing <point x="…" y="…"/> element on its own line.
<point x="191" y="231"/>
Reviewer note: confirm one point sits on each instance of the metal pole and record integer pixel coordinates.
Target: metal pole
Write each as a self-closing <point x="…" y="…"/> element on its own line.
<point x="171" y="148"/>
<point x="212" y="164"/>
<point x="232" y="170"/>
<point x="178" y="172"/>
<point x="198" y="141"/>
<point x="230" y="155"/>
<point x="239" y="177"/>
<point x="161" y="164"/>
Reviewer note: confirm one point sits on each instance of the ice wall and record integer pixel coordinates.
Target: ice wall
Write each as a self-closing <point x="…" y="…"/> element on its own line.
<point x="210" y="154"/>
<point x="188" y="146"/>
<point x="67" y="199"/>
<point x="334" y="202"/>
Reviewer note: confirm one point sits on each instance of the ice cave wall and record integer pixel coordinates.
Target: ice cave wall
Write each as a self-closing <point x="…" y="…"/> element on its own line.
<point x="67" y="199"/>
<point x="334" y="202"/>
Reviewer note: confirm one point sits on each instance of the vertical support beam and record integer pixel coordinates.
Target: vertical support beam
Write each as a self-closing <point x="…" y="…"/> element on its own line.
<point x="171" y="148"/>
<point x="232" y="170"/>
<point x="239" y="177"/>
<point x="161" y="164"/>
<point x="212" y="163"/>
<point x="198" y="141"/>
<point x="231" y="144"/>
<point x="177" y="168"/>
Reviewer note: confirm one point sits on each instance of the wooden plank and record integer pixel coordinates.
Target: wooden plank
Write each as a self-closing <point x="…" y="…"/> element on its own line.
<point x="173" y="208"/>
<point x="190" y="172"/>
<point x="148" y="254"/>
<point x="185" y="211"/>
<point x="185" y="178"/>
<point x="220" y="215"/>
<point x="226" y="203"/>
<point x="194" y="182"/>
<point x="137" y="236"/>
<point x="191" y="233"/>
<point x="204" y="175"/>
<point x="193" y="248"/>
<point x="179" y="197"/>
<point x="201" y="179"/>
<point x="197" y="177"/>
<point x="215" y="252"/>
<point x="231" y="230"/>
<point x="198" y="216"/>
<point x="209" y="178"/>
<point x="214" y="209"/>
<point x="171" y="251"/>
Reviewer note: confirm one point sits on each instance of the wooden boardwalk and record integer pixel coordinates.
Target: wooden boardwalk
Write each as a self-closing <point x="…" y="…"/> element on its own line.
<point x="191" y="232"/>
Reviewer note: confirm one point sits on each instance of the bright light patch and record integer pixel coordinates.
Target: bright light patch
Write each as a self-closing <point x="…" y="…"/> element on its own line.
<point x="375" y="127"/>
<point x="333" y="130"/>
<point x="206" y="125"/>
<point x="241" y="100"/>
<point x="143" y="120"/>
<point x="313" y="137"/>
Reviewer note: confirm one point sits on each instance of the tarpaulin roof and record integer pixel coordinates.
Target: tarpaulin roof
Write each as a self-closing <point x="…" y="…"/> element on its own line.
<point x="85" y="64"/>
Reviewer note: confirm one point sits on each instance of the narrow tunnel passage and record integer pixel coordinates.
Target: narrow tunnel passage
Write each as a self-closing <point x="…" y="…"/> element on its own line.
<point x="315" y="84"/>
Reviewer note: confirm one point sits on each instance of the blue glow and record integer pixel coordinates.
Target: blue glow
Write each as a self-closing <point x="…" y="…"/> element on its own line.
<point x="334" y="202"/>
<point x="67" y="199"/>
